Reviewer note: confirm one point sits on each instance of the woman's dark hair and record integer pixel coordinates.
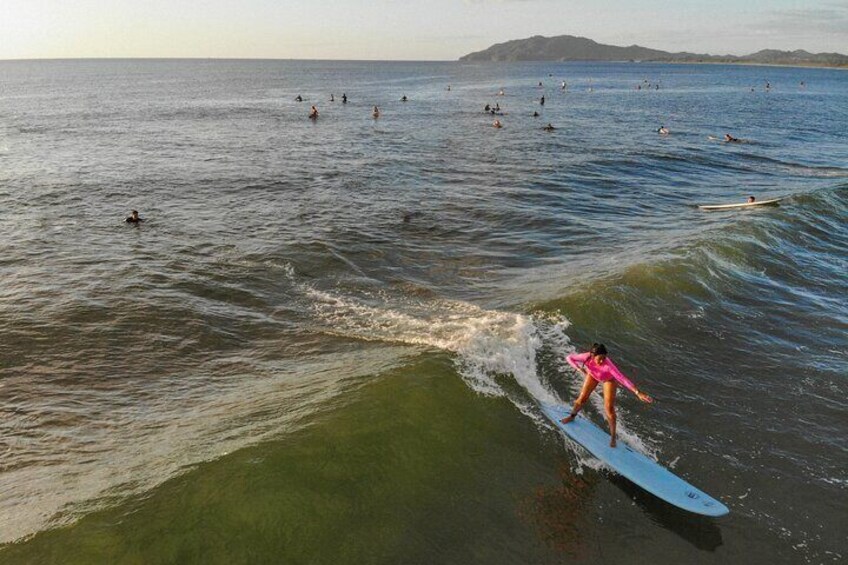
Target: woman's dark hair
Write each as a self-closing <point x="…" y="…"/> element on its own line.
<point x="598" y="349"/>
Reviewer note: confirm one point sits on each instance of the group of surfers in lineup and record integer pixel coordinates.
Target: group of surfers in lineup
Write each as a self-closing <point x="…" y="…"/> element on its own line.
<point x="313" y="110"/>
<point x="496" y="110"/>
<point x="493" y="110"/>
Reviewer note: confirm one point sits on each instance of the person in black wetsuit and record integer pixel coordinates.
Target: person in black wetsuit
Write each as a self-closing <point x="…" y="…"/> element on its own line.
<point x="344" y="98"/>
<point x="299" y="98"/>
<point x="133" y="218"/>
<point x="542" y="101"/>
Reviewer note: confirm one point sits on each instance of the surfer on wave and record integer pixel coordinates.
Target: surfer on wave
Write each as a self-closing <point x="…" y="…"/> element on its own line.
<point x="600" y="369"/>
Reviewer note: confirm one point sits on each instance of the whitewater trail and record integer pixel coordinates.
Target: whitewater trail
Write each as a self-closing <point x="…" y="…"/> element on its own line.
<point x="488" y="345"/>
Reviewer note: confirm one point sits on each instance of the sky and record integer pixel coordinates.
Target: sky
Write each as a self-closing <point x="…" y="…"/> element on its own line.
<point x="403" y="30"/>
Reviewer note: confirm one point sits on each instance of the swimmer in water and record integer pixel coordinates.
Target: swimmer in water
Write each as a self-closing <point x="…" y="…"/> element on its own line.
<point x="597" y="368"/>
<point x="344" y="98"/>
<point x="404" y="98"/>
<point x="332" y="98"/>
<point x="542" y="101"/>
<point x="487" y="108"/>
<point x="299" y="98"/>
<point x="751" y="199"/>
<point x="501" y="92"/>
<point x="133" y="218"/>
<point x="313" y="113"/>
<point x="549" y="127"/>
<point x="535" y="114"/>
<point x="497" y="124"/>
<point x="663" y="130"/>
<point x="376" y="112"/>
<point x="563" y="85"/>
<point x="730" y="139"/>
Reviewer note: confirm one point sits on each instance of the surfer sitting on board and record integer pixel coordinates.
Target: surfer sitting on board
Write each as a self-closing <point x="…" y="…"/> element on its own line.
<point x="599" y="369"/>
<point x="133" y="218"/>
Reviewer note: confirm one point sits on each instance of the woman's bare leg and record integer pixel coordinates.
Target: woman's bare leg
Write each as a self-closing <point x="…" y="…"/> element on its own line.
<point x="609" y="407"/>
<point x="588" y="386"/>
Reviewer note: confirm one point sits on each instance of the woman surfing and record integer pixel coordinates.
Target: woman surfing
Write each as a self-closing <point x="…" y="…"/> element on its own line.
<point x="598" y="368"/>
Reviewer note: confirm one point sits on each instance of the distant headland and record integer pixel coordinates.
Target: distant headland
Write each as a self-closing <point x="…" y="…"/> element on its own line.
<point x="571" y="48"/>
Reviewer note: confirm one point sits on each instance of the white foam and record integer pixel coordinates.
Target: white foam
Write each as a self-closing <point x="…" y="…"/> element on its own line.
<point x="489" y="345"/>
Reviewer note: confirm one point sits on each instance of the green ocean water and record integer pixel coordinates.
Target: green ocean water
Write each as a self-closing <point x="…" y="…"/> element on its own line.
<point x="405" y="471"/>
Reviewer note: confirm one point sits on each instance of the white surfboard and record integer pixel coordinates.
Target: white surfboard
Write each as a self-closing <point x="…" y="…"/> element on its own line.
<point x="772" y="202"/>
<point x="641" y="470"/>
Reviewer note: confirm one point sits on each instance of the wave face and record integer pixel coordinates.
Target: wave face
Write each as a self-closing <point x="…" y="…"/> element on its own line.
<point x="286" y="266"/>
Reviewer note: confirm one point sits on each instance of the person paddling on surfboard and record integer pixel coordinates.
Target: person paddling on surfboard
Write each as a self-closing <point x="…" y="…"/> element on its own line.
<point x="600" y="369"/>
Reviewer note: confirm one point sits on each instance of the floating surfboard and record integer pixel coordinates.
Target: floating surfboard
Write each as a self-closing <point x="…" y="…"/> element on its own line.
<point x="641" y="470"/>
<point x="772" y="202"/>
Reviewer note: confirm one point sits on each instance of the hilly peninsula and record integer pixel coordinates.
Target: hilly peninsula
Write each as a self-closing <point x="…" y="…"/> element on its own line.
<point x="571" y="48"/>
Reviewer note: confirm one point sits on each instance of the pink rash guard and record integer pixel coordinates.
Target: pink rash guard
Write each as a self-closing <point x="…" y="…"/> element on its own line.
<point x="606" y="371"/>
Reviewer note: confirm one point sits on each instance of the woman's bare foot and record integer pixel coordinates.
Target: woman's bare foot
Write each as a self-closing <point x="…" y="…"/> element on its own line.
<point x="567" y="420"/>
<point x="612" y="442"/>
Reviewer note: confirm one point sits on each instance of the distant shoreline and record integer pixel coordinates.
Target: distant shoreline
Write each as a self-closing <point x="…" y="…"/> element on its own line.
<point x="754" y="64"/>
<point x="433" y="61"/>
<point x="574" y="48"/>
<point x="739" y="64"/>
